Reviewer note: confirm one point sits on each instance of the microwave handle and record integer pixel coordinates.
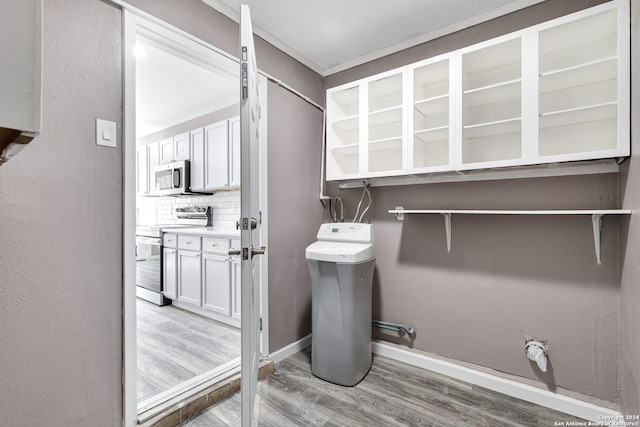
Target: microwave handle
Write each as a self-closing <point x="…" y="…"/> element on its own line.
<point x="176" y="178"/>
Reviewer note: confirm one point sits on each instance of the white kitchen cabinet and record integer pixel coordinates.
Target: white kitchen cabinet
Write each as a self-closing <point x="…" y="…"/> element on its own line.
<point x="175" y="148"/>
<point x="366" y="130"/>
<point x="555" y="92"/>
<point x="170" y="272"/>
<point x="189" y="277"/>
<point x="234" y="152"/>
<point x="146" y="161"/>
<point x="142" y="171"/>
<point x="215" y="163"/>
<point x="20" y="72"/>
<point x="153" y="158"/>
<point x="216" y="148"/>
<point x="181" y="147"/>
<point x="216" y="283"/>
<point x="166" y="150"/>
<point x="198" y="159"/>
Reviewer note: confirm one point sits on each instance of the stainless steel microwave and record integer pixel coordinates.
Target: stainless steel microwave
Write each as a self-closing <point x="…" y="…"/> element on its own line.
<point x="172" y="179"/>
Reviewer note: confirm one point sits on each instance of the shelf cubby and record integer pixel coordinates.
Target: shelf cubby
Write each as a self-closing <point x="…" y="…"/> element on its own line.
<point x="346" y="159"/>
<point x="344" y="103"/>
<point x="385" y="93"/>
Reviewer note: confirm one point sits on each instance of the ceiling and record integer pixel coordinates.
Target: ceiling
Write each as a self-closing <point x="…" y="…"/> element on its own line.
<point x="172" y="90"/>
<point x="332" y="35"/>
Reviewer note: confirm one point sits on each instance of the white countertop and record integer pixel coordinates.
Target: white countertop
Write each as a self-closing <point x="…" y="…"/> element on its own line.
<point x="203" y="231"/>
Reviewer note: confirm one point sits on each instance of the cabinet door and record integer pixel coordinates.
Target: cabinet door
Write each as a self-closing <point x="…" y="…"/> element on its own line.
<point x="234" y="152"/>
<point x="197" y="159"/>
<point x="166" y="150"/>
<point x="190" y="277"/>
<point x="181" y="147"/>
<point x="216" y="280"/>
<point x="169" y="273"/>
<point x="217" y="155"/>
<point x="154" y="160"/>
<point x="142" y="171"/>
<point x="236" y="292"/>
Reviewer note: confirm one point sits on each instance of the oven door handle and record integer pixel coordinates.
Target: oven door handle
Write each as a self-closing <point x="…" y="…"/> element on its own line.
<point x="148" y="240"/>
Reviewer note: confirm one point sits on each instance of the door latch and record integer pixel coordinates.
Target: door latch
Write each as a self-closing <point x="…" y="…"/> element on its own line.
<point x="245" y="224"/>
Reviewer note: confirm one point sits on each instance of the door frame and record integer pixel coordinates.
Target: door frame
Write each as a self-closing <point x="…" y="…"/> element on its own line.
<point x="190" y="47"/>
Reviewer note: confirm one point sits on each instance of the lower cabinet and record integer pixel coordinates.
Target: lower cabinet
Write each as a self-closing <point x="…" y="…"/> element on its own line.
<point x="215" y="283"/>
<point x="190" y="277"/>
<point x="201" y="273"/>
<point x="170" y="272"/>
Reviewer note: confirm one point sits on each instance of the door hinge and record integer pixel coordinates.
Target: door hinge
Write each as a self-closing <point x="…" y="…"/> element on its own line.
<point x="261" y="324"/>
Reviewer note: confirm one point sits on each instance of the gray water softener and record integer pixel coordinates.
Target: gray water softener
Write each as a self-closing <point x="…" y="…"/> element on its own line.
<point x="341" y="266"/>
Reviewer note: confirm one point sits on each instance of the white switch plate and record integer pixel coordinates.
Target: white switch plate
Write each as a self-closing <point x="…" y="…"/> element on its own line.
<point x="105" y="133"/>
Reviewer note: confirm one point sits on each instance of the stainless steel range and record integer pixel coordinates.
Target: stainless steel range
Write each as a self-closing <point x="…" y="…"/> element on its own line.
<point x="149" y="251"/>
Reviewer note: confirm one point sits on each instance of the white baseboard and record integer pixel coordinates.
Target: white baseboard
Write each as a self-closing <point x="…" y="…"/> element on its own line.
<point x="512" y="388"/>
<point x="291" y="349"/>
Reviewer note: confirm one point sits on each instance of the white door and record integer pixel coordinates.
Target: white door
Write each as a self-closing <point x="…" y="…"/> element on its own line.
<point x="250" y="217"/>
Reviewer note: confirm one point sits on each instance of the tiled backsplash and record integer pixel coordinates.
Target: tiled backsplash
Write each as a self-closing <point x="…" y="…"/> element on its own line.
<point x="225" y="207"/>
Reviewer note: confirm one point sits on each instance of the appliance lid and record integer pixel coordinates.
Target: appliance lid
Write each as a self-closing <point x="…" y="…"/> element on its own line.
<point x="340" y="252"/>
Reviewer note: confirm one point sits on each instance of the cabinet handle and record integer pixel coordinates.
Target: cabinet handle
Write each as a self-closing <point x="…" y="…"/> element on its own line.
<point x="188" y="242"/>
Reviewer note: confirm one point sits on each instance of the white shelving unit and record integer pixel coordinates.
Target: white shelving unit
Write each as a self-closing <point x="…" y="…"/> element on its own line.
<point x="385" y="132"/>
<point x="492" y="104"/>
<point x="431" y="149"/>
<point x="555" y="92"/>
<point x="578" y="86"/>
<point x="596" y="218"/>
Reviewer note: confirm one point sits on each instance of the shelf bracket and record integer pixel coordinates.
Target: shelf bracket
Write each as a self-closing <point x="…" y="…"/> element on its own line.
<point x="399" y="215"/>
<point x="596" y="219"/>
<point x="447" y="229"/>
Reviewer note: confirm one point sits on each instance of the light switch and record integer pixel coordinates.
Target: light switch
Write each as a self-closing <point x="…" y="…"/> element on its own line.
<point x="105" y="133"/>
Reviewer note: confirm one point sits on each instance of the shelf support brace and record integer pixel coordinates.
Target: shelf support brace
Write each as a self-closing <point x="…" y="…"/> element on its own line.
<point x="596" y="219"/>
<point x="399" y="215"/>
<point x="447" y="229"/>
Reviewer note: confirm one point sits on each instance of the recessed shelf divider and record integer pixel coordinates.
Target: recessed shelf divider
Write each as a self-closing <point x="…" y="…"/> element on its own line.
<point x="596" y="218"/>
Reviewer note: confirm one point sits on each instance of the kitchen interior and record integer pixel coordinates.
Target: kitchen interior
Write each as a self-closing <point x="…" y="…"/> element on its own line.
<point x="187" y="204"/>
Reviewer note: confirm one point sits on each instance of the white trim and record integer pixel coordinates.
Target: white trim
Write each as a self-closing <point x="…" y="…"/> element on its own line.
<point x="291" y="349"/>
<point x="129" y="339"/>
<point x="512" y="388"/>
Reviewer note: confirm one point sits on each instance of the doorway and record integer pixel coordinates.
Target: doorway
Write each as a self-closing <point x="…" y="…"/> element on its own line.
<point x="175" y="86"/>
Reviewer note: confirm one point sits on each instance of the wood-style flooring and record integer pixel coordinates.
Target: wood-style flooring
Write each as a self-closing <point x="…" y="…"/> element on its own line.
<point x="175" y="345"/>
<point x="392" y="394"/>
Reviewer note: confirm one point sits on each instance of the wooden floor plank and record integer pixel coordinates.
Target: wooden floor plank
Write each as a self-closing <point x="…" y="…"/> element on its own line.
<point x="392" y="394"/>
<point x="175" y="345"/>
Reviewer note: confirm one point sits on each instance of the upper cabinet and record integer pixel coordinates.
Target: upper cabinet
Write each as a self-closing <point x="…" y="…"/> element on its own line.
<point x="215" y="164"/>
<point x="20" y="73"/>
<point x="175" y="148"/>
<point x="555" y="92"/>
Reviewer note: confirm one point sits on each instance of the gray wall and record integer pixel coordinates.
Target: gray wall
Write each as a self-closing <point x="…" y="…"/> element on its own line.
<point x="630" y="246"/>
<point x="506" y="277"/>
<point x="60" y="238"/>
<point x="294" y="145"/>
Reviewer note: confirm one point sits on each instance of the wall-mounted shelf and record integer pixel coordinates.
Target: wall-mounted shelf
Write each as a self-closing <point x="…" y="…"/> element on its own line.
<point x="596" y="218"/>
